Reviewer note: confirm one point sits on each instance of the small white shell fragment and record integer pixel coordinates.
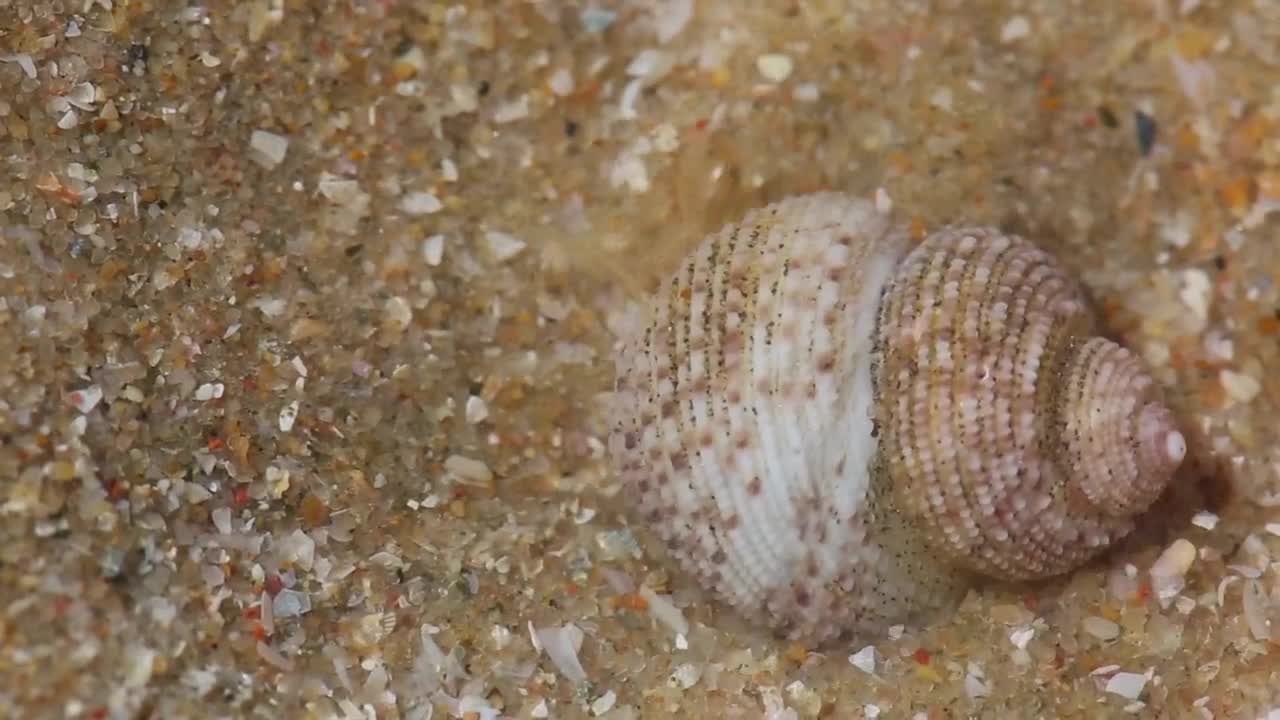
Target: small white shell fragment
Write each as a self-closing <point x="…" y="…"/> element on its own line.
<point x="662" y="609"/>
<point x="85" y="399"/>
<point x="1205" y="519"/>
<point x="24" y="61"/>
<point x="1127" y="685"/>
<point x="806" y="92"/>
<point x="1022" y="637"/>
<point x="477" y="409"/>
<point x="1016" y="28"/>
<point x="1169" y="570"/>
<point x="503" y="246"/>
<point x="421" y="203"/>
<point x="884" y="203"/>
<point x="267" y="149"/>
<point x="540" y="710"/>
<point x="288" y="414"/>
<point x="775" y="67"/>
<point x="864" y="659"/>
<point x="686" y="676"/>
<point x="943" y="99"/>
<point x="1240" y="387"/>
<point x="448" y="170"/>
<point x="604" y="703"/>
<point x="209" y="391"/>
<point x="512" y="111"/>
<point x="1195" y="293"/>
<point x="774" y="707"/>
<point x="221" y="518"/>
<point x="398" y="313"/>
<point x="1273" y="528"/>
<point x="561" y="644"/>
<point x="670" y="18"/>
<point x="651" y="65"/>
<point x="975" y="685"/>
<point x="433" y="250"/>
<point x="561" y="82"/>
<point x="1254" y="604"/>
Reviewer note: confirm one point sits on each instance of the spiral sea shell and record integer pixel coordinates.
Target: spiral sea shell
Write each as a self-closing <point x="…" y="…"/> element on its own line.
<point x="835" y="431"/>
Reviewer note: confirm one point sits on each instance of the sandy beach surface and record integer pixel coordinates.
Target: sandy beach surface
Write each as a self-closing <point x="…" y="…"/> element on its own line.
<point x="303" y="338"/>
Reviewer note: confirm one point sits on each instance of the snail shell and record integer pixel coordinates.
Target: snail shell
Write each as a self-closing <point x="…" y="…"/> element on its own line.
<point x="836" y="432"/>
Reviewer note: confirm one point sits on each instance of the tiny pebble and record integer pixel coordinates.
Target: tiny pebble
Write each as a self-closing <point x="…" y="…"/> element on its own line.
<point x="1195" y="292"/>
<point x="1240" y="387"/>
<point x="420" y="203"/>
<point x="468" y="469"/>
<point x="596" y="19"/>
<point x="517" y="109"/>
<point x="290" y="603"/>
<point x="85" y="399"/>
<point x="397" y="313"/>
<point x="1169" y="571"/>
<point x="864" y="659"/>
<point x="775" y="67"/>
<point x="503" y="246"/>
<point x="943" y="99"/>
<point x="433" y="250"/>
<point x="884" y="203"/>
<point x="1205" y="519"/>
<point x="652" y="65"/>
<point x="561" y="82"/>
<point x="477" y="409"/>
<point x="686" y="676"/>
<point x="975" y="686"/>
<point x="1101" y="628"/>
<point x="1016" y="28"/>
<point x="806" y="92"/>
<point x="1127" y="685"/>
<point x="209" y="391"/>
<point x="1022" y="637"/>
<point x="221" y="519"/>
<point x="267" y="149"/>
<point x="604" y="703"/>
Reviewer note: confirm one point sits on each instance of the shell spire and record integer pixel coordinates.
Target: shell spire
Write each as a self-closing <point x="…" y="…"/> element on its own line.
<point x="1016" y="435"/>
<point x="835" y="432"/>
<point x="1119" y="438"/>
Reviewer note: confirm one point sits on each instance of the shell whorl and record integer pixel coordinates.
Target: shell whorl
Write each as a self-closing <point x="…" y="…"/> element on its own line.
<point x="1115" y="429"/>
<point x="1009" y="426"/>
<point x="833" y="431"/>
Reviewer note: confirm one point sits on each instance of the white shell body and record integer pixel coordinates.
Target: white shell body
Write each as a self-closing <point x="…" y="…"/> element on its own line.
<point x="769" y="504"/>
